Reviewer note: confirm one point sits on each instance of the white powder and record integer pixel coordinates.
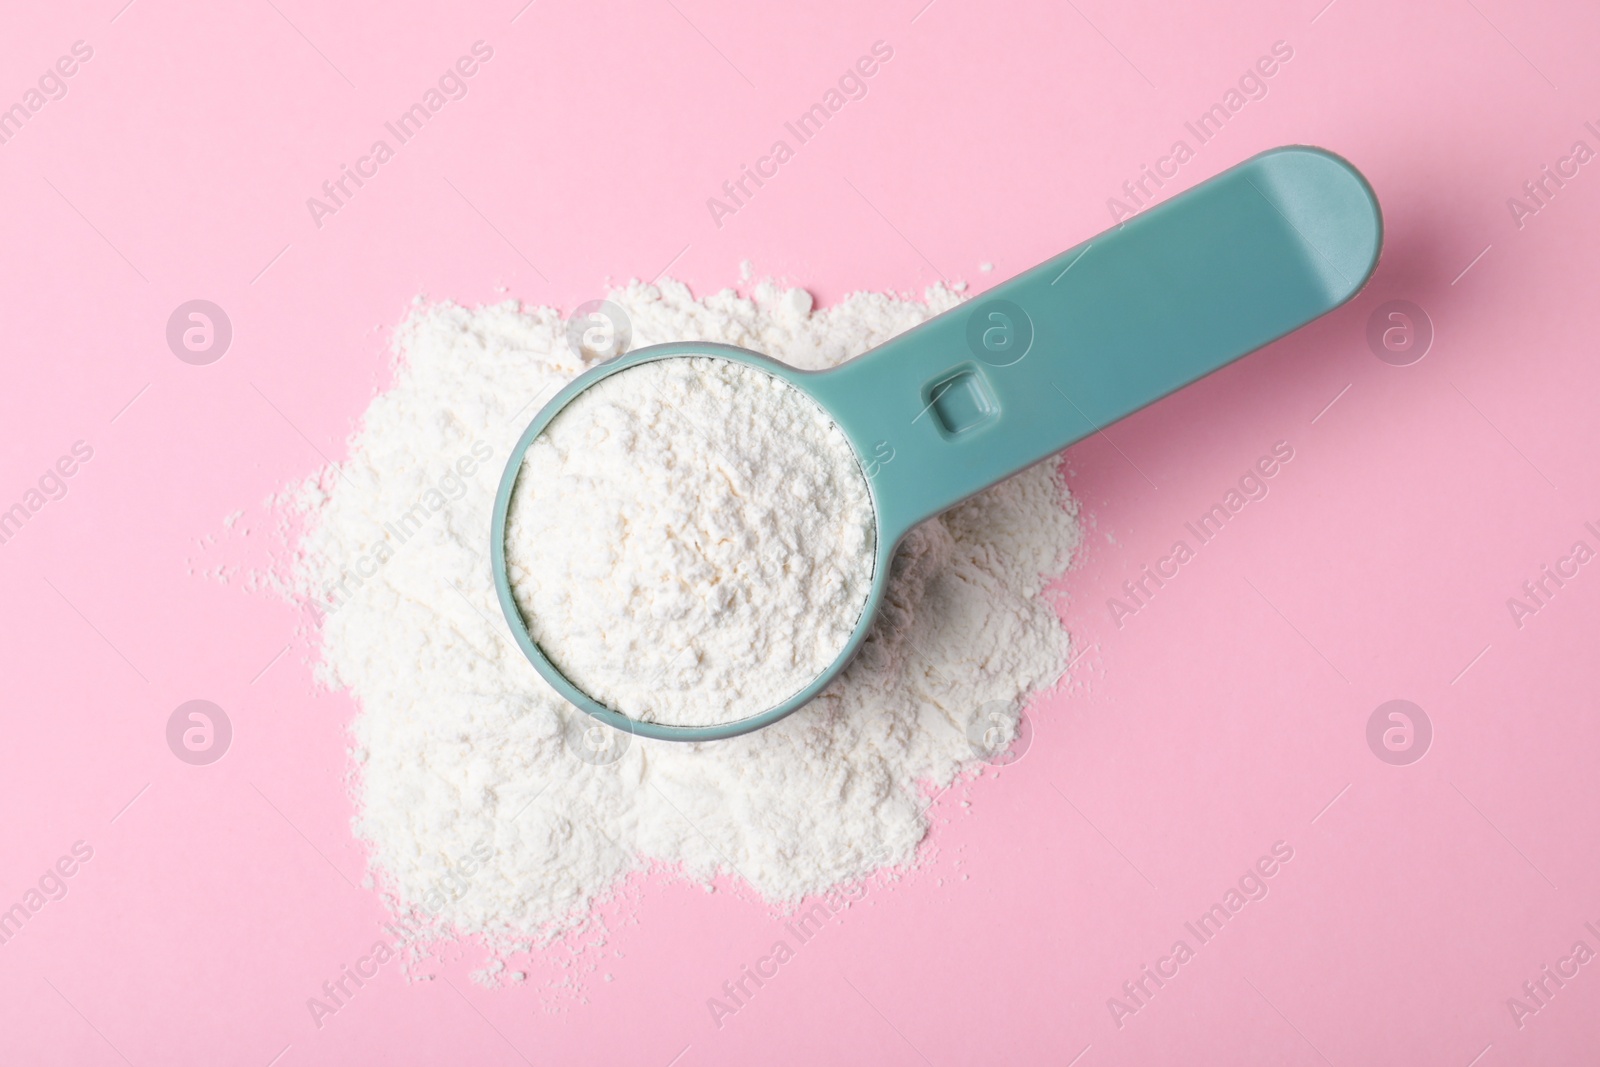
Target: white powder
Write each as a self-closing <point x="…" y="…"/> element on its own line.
<point x="691" y="541"/>
<point x="475" y="808"/>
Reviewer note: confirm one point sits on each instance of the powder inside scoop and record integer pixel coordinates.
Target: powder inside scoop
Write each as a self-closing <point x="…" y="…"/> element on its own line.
<point x="691" y="540"/>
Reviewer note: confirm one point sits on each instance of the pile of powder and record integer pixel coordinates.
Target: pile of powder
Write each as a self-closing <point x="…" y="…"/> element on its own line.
<point x="691" y="541"/>
<point x="478" y="807"/>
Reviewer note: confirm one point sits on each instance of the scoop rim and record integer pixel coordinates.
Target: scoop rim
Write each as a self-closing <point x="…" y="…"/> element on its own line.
<point x="564" y="686"/>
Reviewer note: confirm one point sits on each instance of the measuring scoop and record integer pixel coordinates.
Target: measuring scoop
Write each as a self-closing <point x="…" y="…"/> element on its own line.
<point x="986" y="389"/>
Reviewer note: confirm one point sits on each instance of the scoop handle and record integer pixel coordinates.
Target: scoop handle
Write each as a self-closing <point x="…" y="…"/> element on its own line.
<point x="986" y="389"/>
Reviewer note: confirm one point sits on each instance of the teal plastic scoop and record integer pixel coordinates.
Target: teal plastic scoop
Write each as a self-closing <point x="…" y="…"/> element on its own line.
<point x="977" y="394"/>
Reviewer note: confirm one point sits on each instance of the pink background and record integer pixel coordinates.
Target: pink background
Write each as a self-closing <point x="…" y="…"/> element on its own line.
<point x="1228" y="714"/>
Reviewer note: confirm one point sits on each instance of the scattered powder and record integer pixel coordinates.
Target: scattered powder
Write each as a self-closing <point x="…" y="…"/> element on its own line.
<point x="472" y="795"/>
<point x="691" y="541"/>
